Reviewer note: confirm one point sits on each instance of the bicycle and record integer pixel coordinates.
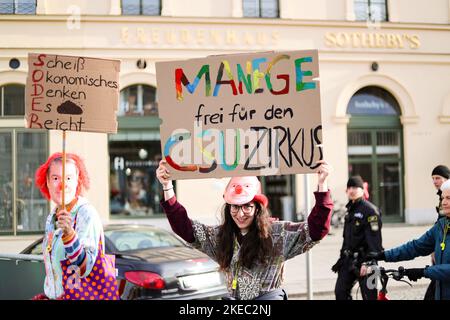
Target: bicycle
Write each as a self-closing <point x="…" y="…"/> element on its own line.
<point x="384" y="275"/>
<point x="338" y="215"/>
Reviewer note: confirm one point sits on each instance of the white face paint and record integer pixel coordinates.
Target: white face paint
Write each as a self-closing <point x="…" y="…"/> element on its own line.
<point x="54" y="182"/>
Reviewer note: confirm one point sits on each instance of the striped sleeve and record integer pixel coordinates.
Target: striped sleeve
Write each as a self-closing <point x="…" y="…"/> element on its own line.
<point x="75" y="251"/>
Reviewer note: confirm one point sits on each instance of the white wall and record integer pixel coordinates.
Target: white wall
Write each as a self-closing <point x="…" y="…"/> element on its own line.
<point x="63" y="7"/>
<point x="310" y="10"/>
<point x="419" y="11"/>
<point x="197" y="8"/>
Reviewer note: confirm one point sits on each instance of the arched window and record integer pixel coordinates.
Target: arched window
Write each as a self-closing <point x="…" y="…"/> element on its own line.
<point x="373" y="101"/>
<point x="12" y="100"/>
<point x="375" y="148"/>
<point x="138" y="100"/>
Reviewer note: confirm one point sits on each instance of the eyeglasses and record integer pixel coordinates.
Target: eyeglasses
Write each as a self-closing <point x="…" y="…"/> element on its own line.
<point x="246" y="208"/>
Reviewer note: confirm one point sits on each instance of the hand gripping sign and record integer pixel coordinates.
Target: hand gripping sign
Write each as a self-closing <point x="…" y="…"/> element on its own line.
<point x="241" y="114"/>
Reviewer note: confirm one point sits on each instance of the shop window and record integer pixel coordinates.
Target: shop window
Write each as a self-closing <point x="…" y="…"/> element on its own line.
<point x="22" y="207"/>
<point x="260" y="8"/>
<point x="17" y="6"/>
<point x="371" y="10"/>
<point x="141" y="7"/>
<point x="12" y="100"/>
<point x="138" y="100"/>
<point x="134" y="189"/>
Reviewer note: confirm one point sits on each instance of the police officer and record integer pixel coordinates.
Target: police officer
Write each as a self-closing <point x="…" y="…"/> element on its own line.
<point x="362" y="234"/>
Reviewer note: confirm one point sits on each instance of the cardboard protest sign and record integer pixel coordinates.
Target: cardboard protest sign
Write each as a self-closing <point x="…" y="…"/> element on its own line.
<point x="241" y="114"/>
<point x="72" y="93"/>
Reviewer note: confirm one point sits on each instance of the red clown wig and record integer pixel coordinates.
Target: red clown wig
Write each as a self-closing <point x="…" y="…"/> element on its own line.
<point x="42" y="173"/>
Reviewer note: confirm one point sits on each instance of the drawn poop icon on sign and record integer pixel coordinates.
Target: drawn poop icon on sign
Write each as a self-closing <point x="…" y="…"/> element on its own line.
<point x="68" y="107"/>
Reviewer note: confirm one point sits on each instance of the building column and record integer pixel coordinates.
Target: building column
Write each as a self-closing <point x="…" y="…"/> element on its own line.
<point x="236" y="9"/>
<point x="448" y="11"/>
<point x="41" y="7"/>
<point x="167" y="8"/>
<point x="392" y="11"/>
<point x="350" y="10"/>
<point x="115" y="9"/>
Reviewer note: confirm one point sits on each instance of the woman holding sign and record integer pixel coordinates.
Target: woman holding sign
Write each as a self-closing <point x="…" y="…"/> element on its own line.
<point x="249" y="246"/>
<point x="76" y="265"/>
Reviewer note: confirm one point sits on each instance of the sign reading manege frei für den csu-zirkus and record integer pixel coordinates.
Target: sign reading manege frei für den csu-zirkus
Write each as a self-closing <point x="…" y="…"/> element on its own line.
<point x="240" y="114"/>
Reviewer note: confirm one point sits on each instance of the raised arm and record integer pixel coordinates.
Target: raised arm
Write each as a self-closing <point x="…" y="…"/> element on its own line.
<point x="176" y="213"/>
<point x="320" y="217"/>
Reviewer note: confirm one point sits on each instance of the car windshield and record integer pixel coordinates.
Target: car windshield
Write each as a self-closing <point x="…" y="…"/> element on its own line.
<point x="134" y="239"/>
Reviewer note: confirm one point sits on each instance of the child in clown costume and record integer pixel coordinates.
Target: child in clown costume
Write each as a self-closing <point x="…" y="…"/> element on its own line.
<point x="249" y="246"/>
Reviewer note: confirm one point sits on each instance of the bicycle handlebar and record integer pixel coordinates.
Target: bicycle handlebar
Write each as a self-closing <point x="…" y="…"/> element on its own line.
<point x="397" y="274"/>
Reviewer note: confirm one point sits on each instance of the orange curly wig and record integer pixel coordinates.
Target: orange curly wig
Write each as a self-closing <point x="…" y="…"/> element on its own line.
<point x="42" y="172"/>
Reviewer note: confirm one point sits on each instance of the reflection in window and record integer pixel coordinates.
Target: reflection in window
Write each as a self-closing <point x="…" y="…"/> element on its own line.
<point x="370" y="10"/>
<point x="28" y="150"/>
<point x="138" y="100"/>
<point x="260" y="8"/>
<point x="32" y="208"/>
<point x="134" y="189"/>
<point x="6" y="184"/>
<point x="141" y="7"/>
<point x="142" y="238"/>
<point x="12" y="100"/>
<point x="373" y="101"/>
<point x="17" y="6"/>
<point x="359" y="143"/>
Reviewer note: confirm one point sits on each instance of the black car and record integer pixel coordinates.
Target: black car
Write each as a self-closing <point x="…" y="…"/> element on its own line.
<point x="154" y="263"/>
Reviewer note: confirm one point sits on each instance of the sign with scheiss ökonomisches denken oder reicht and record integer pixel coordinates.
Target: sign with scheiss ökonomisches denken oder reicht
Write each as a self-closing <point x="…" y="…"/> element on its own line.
<point x="72" y="93"/>
<point x="240" y="114"/>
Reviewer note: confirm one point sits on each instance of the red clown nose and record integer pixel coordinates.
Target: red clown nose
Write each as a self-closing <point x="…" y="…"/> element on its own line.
<point x="238" y="189"/>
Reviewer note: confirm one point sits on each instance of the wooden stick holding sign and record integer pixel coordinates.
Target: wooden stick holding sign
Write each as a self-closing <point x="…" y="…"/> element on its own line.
<point x="63" y="183"/>
<point x="71" y="93"/>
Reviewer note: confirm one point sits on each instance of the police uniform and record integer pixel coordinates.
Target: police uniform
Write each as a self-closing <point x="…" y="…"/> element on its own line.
<point x="362" y="234"/>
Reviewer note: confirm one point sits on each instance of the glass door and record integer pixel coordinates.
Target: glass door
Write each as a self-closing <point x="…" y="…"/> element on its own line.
<point x="375" y="155"/>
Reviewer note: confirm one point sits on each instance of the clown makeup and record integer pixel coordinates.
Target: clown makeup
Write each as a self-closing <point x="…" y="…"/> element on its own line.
<point x="243" y="215"/>
<point x="54" y="181"/>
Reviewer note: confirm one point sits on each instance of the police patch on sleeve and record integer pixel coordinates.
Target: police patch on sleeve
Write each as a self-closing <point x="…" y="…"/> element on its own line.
<point x="373" y="221"/>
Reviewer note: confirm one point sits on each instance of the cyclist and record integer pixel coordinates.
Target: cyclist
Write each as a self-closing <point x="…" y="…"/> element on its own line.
<point x="434" y="240"/>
